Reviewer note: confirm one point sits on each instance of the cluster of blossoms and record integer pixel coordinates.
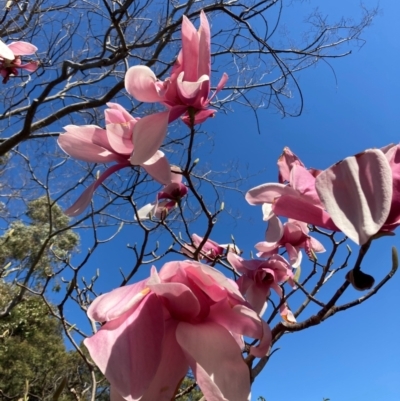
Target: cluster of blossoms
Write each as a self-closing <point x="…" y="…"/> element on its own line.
<point x="132" y="141"/>
<point x="359" y="196"/>
<point x="10" y="59"/>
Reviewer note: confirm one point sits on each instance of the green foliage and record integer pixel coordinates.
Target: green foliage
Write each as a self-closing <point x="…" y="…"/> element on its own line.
<point x="33" y="357"/>
<point x="189" y="390"/>
<point x="22" y="244"/>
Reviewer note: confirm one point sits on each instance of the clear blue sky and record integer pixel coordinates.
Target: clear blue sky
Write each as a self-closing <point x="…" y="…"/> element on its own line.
<point x="354" y="356"/>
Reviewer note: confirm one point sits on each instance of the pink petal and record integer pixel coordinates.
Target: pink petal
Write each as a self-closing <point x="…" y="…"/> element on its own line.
<point x="267" y="193"/>
<point x="212" y="281"/>
<point x="267" y="211"/>
<point x="148" y="135"/>
<point x="221" y="84"/>
<point x="85" y="143"/>
<point x="32" y="66"/>
<point x="199" y="117"/>
<point x="84" y="200"/>
<point x="114" y="304"/>
<point x="193" y="93"/>
<point x="216" y="361"/>
<point x="316" y="246"/>
<point x="301" y="209"/>
<point x="285" y="163"/>
<point x="158" y="168"/>
<point x="393" y="156"/>
<point x="143" y="85"/>
<point x="190" y="50"/>
<point x="275" y="230"/>
<point x="256" y="295"/>
<point x="357" y="193"/>
<point x="243" y="320"/>
<point x="117" y="114"/>
<point x="304" y="182"/>
<point x="120" y="137"/>
<point x="6" y="52"/>
<point x="294" y="255"/>
<point x="22" y="48"/>
<point x="128" y="349"/>
<point x="179" y="300"/>
<point x="204" y="65"/>
<point x="171" y="370"/>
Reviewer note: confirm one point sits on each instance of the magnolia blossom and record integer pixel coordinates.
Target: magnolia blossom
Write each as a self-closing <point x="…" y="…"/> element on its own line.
<point x="259" y="276"/>
<point x="186" y="91"/>
<point x="10" y="59"/>
<point x="210" y="249"/>
<point x="293" y="235"/>
<point x="359" y="195"/>
<point x="285" y="163"/>
<point x="114" y="144"/>
<point x="187" y="315"/>
<point x="167" y="199"/>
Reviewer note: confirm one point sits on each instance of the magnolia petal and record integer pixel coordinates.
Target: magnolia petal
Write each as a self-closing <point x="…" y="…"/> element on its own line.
<point x="84" y="200"/>
<point x="293" y="254"/>
<point x="212" y="281"/>
<point x="301" y="209"/>
<point x="216" y="361"/>
<point x="117" y="114"/>
<point x="393" y="156"/>
<point x="148" y="135"/>
<point x="114" y="395"/>
<point x="274" y="231"/>
<point x="199" y="117"/>
<point x="267" y="193"/>
<point x="128" y="349"/>
<point x="182" y="303"/>
<point x="204" y="64"/>
<point x="242" y="320"/>
<point x="158" y="167"/>
<point x="120" y="137"/>
<point x="114" y="304"/>
<point x="267" y="211"/>
<point x="256" y="296"/>
<point x="171" y="370"/>
<point x="304" y="182"/>
<point x="22" y="48"/>
<point x="143" y="85"/>
<point x="78" y="143"/>
<point x="316" y="246"/>
<point x="190" y="92"/>
<point x="6" y="52"/>
<point x="357" y="193"/>
<point x="221" y="84"/>
<point x="32" y="66"/>
<point x="285" y="163"/>
<point x="190" y="50"/>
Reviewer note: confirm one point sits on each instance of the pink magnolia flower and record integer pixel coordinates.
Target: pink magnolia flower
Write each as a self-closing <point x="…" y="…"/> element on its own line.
<point x="293" y="235"/>
<point x="114" y="144"/>
<point x="210" y="249"/>
<point x="10" y="59"/>
<point x="285" y="163"/>
<point x="187" y="90"/>
<point x="188" y="315"/>
<point x="259" y="276"/>
<point x="358" y="196"/>
<point x="167" y="199"/>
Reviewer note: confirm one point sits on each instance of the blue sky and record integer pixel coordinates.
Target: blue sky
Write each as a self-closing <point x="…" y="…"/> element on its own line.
<point x="356" y="354"/>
